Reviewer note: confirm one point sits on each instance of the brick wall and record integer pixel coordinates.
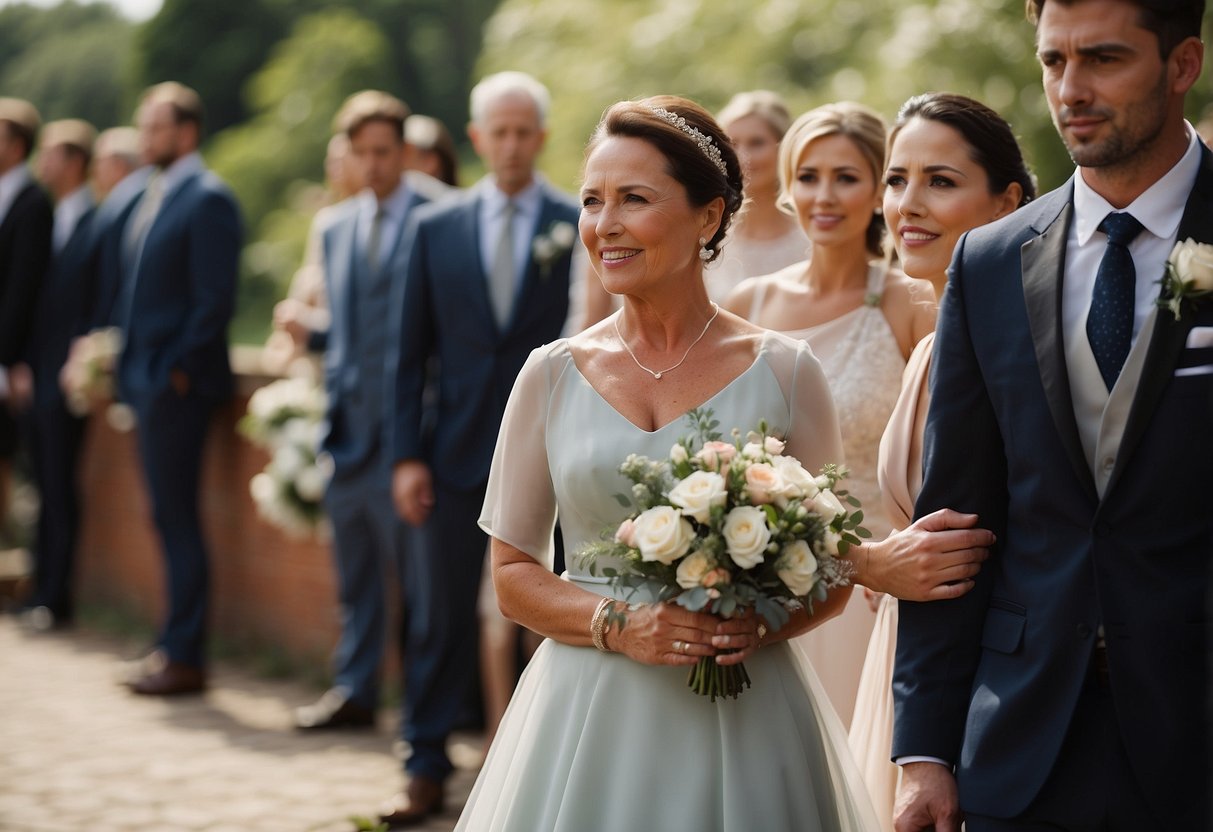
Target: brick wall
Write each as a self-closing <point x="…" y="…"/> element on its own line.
<point x="267" y="589"/>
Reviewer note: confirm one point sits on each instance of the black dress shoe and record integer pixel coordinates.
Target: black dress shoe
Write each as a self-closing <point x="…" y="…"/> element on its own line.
<point x="422" y="797"/>
<point x="333" y="710"/>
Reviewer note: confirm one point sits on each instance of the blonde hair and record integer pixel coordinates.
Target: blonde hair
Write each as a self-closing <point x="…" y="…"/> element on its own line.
<point x="764" y="104"/>
<point x="866" y="130"/>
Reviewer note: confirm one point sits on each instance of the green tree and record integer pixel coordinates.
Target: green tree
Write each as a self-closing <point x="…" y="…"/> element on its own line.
<point x="879" y="52"/>
<point x="212" y="46"/>
<point x="70" y="60"/>
<point x="270" y="159"/>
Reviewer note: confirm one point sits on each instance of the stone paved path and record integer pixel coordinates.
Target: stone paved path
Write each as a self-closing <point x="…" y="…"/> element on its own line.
<point x="79" y="753"/>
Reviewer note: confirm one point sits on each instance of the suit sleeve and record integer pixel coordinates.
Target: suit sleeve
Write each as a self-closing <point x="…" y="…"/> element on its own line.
<point x="412" y="344"/>
<point x="31" y="255"/>
<point x="214" y="257"/>
<point x="939" y="643"/>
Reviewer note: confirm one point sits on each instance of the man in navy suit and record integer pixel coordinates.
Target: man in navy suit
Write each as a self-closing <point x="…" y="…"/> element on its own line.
<point x="180" y="245"/>
<point x="362" y="252"/>
<point x="26" y="220"/>
<point x="55" y="434"/>
<point x="1068" y="689"/>
<point x="487" y="281"/>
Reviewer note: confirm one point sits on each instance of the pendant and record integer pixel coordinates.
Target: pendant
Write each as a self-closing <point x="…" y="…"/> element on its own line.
<point x="657" y="376"/>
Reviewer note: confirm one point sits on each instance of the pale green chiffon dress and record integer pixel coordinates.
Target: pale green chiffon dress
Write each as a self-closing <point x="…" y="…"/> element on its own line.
<point x="595" y="741"/>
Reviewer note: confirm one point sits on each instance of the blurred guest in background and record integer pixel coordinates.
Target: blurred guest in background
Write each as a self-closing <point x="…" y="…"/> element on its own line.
<point x="430" y="151"/>
<point x="26" y="223"/>
<point x="180" y="248"/>
<point x="115" y="157"/>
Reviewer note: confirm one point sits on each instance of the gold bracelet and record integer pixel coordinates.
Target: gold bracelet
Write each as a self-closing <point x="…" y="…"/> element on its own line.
<point x="598" y="625"/>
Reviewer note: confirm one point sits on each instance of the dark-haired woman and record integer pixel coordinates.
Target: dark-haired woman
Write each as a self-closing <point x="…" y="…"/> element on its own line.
<point x="606" y="735"/>
<point x="953" y="164"/>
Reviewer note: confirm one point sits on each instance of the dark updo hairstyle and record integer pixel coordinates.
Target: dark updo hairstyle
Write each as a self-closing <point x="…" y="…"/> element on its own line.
<point x="686" y="162"/>
<point x="990" y="138"/>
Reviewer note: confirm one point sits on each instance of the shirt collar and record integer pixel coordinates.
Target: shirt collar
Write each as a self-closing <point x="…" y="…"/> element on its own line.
<point x="182" y="169"/>
<point x="527" y="201"/>
<point x="77" y="202"/>
<point x="1159" y="208"/>
<point x="11" y="184"/>
<point x="394" y="205"/>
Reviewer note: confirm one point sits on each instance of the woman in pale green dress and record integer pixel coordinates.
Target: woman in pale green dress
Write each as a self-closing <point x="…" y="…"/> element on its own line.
<point x="611" y="738"/>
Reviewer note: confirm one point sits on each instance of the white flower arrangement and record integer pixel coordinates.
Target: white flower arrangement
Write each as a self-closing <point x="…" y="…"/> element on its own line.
<point x="550" y="246"/>
<point x="285" y="418"/>
<point x="88" y="376"/>
<point x="724" y="527"/>
<point x="1189" y="275"/>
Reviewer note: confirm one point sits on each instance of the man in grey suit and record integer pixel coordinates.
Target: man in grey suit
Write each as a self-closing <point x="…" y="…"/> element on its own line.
<point x="1068" y="689"/>
<point x="363" y="252"/>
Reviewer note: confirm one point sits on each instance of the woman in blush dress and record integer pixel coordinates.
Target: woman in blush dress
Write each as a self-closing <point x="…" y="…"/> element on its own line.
<point x="611" y="738"/>
<point x="764" y="238"/>
<point x="953" y="164"/>
<point x="861" y="318"/>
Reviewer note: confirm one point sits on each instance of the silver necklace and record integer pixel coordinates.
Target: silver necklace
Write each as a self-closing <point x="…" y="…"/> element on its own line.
<point x="657" y="374"/>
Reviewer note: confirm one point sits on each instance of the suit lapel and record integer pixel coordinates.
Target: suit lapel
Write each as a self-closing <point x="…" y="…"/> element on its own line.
<point x="1044" y="261"/>
<point x="1169" y="335"/>
<point x="345" y="251"/>
<point x="469" y="266"/>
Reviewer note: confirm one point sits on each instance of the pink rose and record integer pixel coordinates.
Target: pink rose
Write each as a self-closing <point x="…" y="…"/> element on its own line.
<point x="626" y="533"/>
<point x="719" y="575"/>
<point x="714" y="455"/>
<point x="763" y="483"/>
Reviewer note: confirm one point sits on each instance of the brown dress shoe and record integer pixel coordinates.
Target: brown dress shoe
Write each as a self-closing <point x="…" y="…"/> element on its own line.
<point x="168" y="678"/>
<point x="333" y="710"/>
<point x="422" y="797"/>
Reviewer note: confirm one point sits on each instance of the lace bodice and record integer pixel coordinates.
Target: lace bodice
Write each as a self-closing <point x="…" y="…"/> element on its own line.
<point x="864" y="366"/>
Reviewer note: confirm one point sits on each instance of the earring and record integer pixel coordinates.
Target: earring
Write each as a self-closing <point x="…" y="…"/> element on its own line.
<point x="705" y="253"/>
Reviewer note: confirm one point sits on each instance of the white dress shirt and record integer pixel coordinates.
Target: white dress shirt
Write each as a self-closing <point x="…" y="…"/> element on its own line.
<point x="394" y="208"/>
<point x="68" y="212"/>
<point x="528" y="202"/>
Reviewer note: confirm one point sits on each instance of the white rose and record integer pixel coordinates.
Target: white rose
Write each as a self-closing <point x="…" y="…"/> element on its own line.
<point x="662" y="534"/>
<point x="772" y="446"/>
<point x="753" y="450"/>
<point x="698" y="493"/>
<point x="262" y="488"/>
<point x="544" y="249"/>
<point x="827" y="505"/>
<point x="678" y="454"/>
<point x="692" y="569"/>
<point x="797" y="567"/>
<point x="796" y="477"/>
<point x="288" y="461"/>
<point x="563" y="234"/>
<point x="1194" y="261"/>
<point x="828" y="545"/>
<point x="310" y="484"/>
<point x="746" y="535"/>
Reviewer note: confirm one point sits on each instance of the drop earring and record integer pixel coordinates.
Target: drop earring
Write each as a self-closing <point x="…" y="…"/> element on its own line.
<point x="705" y="253"/>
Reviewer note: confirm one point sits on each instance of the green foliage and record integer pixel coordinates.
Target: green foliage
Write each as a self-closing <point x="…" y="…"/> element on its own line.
<point x="879" y="52"/>
<point x="269" y="158"/>
<point x="70" y="60"/>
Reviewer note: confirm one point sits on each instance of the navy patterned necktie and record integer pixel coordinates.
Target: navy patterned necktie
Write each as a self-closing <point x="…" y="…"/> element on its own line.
<point x="1110" y="319"/>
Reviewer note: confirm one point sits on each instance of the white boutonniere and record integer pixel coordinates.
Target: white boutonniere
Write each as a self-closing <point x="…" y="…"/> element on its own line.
<point x="1189" y="275"/>
<point x="550" y="246"/>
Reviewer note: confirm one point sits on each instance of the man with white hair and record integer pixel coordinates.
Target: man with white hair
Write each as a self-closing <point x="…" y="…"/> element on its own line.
<point x="487" y="281"/>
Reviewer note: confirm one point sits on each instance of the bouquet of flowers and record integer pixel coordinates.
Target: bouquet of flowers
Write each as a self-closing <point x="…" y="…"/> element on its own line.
<point x="285" y="418"/>
<point x="723" y="527"/>
<point x="87" y="378"/>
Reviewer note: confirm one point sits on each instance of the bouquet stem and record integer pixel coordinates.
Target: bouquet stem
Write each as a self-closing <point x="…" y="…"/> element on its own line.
<point x="712" y="680"/>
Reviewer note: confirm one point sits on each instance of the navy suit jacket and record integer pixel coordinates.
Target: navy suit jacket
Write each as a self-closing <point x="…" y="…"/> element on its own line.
<point x="25" y="250"/>
<point x="990" y="681"/>
<point x="344" y="264"/>
<point x="184" y="294"/>
<point x="69" y="294"/>
<point x="444" y="312"/>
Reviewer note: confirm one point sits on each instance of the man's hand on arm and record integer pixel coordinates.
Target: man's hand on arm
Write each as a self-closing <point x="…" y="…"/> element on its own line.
<point x="412" y="491"/>
<point x="926" y="799"/>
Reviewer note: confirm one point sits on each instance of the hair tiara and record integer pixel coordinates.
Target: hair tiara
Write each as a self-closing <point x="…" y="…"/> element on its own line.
<point x="705" y="143"/>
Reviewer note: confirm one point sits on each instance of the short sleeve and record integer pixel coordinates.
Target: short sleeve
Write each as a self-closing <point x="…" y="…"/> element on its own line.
<point x="520" y="504"/>
<point x="814" y="436"/>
